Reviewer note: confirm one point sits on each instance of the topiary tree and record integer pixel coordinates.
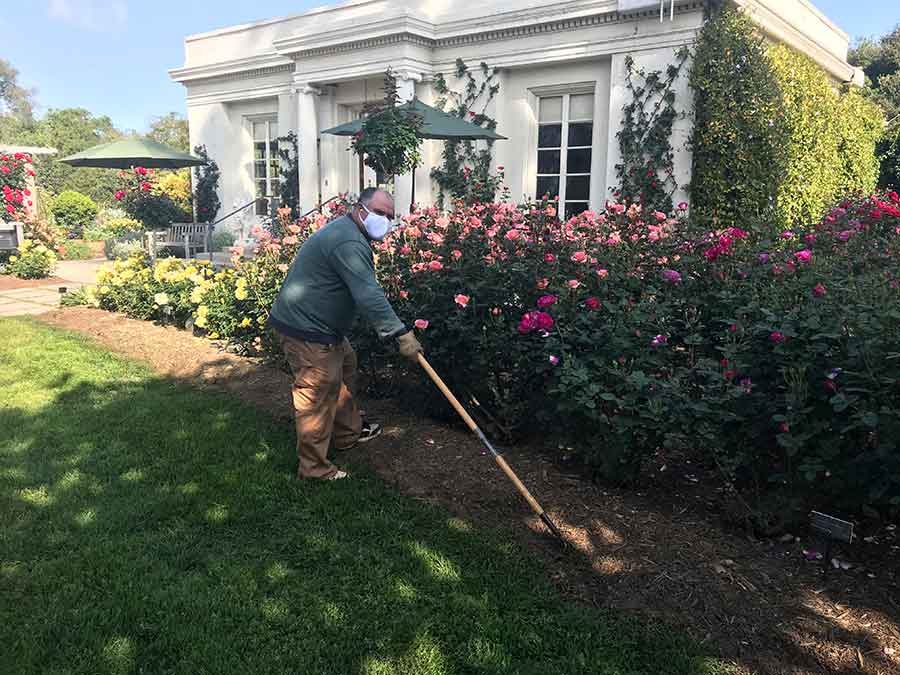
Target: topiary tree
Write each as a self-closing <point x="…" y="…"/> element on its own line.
<point x="388" y="139"/>
<point x="73" y="212"/>
<point x="739" y="138"/>
<point x="206" y="186"/>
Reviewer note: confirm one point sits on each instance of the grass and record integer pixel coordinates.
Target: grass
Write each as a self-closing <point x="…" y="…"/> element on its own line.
<point x="146" y="527"/>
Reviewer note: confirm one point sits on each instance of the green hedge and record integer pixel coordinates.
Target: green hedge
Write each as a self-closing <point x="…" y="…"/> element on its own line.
<point x="73" y="212"/>
<point x="738" y="139"/>
<point x="772" y="131"/>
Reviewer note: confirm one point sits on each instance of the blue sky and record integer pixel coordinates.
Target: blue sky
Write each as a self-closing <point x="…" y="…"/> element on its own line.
<point x="112" y="56"/>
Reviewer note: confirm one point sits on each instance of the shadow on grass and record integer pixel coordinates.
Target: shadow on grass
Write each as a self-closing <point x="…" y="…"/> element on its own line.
<point x="148" y="527"/>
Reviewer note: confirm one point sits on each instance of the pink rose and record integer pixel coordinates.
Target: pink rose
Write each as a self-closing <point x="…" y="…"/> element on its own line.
<point x="554" y="360"/>
<point x="404" y="295"/>
<point x="421" y="324"/>
<point x="819" y="290"/>
<point x="592" y="304"/>
<point x="845" y="235"/>
<point x="289" y="241"/>
<point x="543" y="283"/>
<point x="512" y="235"/>
<point x="457" y="254"/>
<point x="549" y="257"/>
<point x="602" y="273"/>
<point x="435" y="266"/>
<point x="777" y="337"/>
<point x="658" y="341"/>
<point x="461" y="300"/>
<point x="803" y="256"/>
<point x="671" y="276"/>
<point x="787" y="234"/>
<point x="546" y="301"/>
<point x="682" y="206"/>
<point x="544" y="321"/>
<point x="579" y="257"/>
<point x="573" y="283"/>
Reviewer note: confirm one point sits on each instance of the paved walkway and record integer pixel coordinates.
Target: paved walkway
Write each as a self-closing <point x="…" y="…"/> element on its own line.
<point x="40" y="299"/>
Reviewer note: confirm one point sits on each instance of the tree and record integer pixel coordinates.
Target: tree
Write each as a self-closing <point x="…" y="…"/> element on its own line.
<point x="206" y="186"/>
<point x="880" y="60"/>
<point x="172" y="130"/>
<point x="68" y="130"/>
<point x="15" y="100"/>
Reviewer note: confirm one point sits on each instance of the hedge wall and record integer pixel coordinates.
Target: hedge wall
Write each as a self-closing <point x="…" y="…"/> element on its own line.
<point x="772" y="131"/>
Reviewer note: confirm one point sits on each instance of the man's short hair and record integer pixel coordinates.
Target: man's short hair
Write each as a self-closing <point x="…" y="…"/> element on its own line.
<point x="366" y="195"/>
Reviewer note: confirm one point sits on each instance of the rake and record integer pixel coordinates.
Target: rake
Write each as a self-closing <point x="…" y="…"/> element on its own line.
<point x="501" y="462"/>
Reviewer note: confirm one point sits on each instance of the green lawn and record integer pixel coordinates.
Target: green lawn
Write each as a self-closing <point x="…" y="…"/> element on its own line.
<point x="149" y="528"/>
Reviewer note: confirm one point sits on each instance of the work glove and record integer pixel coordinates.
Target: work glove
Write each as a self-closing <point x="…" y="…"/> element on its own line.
<point x="409" y="346"/>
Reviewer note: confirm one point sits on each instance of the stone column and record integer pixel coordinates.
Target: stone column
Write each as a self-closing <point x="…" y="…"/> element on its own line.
<point x="307" y="144"/>
<point x="406" y="89"/>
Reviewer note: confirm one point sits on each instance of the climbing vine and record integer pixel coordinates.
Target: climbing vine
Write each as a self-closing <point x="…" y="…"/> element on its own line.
<point x="289" y="172"/>
<point x="206" y="186"/>
<point x="646" y="170"/>
<point x="465" y="169"/>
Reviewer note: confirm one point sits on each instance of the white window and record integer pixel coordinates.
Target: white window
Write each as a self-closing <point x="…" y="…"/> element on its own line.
<point x="565" y="133"/>
<point x="265" y="162"/>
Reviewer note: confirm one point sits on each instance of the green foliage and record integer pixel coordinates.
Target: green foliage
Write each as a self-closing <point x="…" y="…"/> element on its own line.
<point x="465" y="169"/>
<point x="289" y="172"/>
<point x="73" y="212"/>
<point x="140" y="196"/>
<point x="388" y="138"/>
<point x="880" y="60"/>
<point x="222" y="240"/>
<point x="69" y="130"/>
<point x="646" y="170"/>
<point x="76" y="250"/>
<point x="739" y="137"/>
<point x="111" y="225"/>
<point x="15" y="101"/>
<point x="172" y="130"/>
<point x="206" y="186"/>
<point x="33" y="260"/>
<point x="774" y="141"/>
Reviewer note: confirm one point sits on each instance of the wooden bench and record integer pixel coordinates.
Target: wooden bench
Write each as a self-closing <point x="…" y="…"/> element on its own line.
<point x="11" y="235"/>
<point x="191" y="237"/>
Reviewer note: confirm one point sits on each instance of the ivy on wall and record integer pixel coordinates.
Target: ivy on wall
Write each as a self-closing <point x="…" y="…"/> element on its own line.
<point x="831" y="138"/>
<point x="465" y="169"/>
<point x="775" y="141"/>
<point x="739" y="137"/>
<point x="646" y="170"/>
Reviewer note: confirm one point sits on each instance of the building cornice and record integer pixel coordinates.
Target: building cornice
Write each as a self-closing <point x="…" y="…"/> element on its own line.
<point x="254" y="66"/>
<point x="242" y="94"/>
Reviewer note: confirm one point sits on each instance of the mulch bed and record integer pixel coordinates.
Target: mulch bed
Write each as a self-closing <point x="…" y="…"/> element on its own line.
<point x="661" y="553"/>
<point x="11" y="283"/>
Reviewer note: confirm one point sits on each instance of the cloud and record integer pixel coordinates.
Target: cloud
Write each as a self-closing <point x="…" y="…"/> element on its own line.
<point x="93" y="15"/>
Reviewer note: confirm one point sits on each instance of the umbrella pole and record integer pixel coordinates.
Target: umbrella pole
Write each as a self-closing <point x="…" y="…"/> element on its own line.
<point x="412" y="199"/>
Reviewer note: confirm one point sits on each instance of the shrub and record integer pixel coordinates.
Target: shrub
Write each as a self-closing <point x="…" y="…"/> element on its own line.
<point x="112" y="228"/>
<point x="14" y="169"/>
<point x="206" y="185"/>
<point x="628" y="335"/>
<point x="140" y="197"/>
<point x="739" y="137"/>
<point x="73" y="212"/>
<point x="222" y="239"/>
<point x="176" y="185"/>
<point x="32" y="261"/>
<point x="76" y="250"/>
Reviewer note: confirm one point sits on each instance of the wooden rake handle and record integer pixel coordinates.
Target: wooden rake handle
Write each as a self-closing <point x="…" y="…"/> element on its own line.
<point x="501" y="462"/>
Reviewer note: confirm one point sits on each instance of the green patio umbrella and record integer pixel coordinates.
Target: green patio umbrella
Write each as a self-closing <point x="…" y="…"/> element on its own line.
<point x="129" y="152"/>
<point x="436" y="125"/>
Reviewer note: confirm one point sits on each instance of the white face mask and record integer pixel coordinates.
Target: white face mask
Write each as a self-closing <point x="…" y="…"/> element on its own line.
<point x="377" y="226"/>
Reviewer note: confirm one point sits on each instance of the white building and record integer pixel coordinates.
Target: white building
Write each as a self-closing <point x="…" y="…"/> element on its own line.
<point x="561" y="64"/>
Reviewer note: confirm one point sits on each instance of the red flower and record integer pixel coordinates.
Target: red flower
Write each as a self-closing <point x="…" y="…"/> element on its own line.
<point x="592" y="304"/>
<point x="471" y="113"/>
<point x="120" y="195"/>
<point x="546" y="301"/>
<point x="777" y="337"/>
<point x="4" y="169"/>
<point x="784" y="428"/>
<point x="819" y="290"/>
<point x="145" y="186"/>
<point x="10" y="208"/>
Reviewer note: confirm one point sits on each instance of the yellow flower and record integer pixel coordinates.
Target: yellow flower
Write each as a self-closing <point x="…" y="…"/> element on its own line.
<point x="161" y="299"/>
<point x="241" y="293"/>
<point x="246" y="322"/>
<point x="197" y="295"/>
<point x="13" y="258"/>
<point x="261" y="320"/>
<point x="104" y="290"/>
<point x="200" y="322"/>
<point x="202" y="311"/>
<point x="213" y="336"/>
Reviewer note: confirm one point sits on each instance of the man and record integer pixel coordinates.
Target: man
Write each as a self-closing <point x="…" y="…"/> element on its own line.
<point x="331" y="279"/>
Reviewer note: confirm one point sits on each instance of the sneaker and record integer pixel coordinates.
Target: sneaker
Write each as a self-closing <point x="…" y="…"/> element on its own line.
<point x="370" y="430"/>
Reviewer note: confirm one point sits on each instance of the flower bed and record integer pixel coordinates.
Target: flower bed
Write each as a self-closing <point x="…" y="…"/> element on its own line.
<point x="626" y="335"/>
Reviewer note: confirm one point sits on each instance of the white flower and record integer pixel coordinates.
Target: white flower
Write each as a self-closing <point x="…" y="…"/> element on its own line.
<point x="161" y="299"/>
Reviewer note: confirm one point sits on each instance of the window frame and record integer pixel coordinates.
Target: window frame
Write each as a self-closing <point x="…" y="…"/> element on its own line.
<point x="565" y="93"/>
<point x="273" y="177"/>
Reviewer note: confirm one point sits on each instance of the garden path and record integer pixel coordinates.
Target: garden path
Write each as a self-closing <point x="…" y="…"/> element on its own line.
<point x="19" y="297"/>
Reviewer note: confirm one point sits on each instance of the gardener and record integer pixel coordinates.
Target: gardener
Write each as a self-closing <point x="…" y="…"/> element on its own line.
<point x="331" y="279"/>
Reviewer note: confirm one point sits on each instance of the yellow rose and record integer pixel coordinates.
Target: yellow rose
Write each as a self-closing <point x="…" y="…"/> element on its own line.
<point x="241" y="293"/>
<point x="246" y="322"/>
<point x="200" y="322"/>
<point x="202" y="311"/>
<point x="13" y="258"/>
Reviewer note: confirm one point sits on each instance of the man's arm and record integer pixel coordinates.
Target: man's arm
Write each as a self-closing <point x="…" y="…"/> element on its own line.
<point x="353" y="262"/>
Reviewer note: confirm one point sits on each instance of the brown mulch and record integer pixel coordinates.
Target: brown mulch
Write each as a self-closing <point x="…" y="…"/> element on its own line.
<point x="11" y="283"/>
<point x="660" y="554"/>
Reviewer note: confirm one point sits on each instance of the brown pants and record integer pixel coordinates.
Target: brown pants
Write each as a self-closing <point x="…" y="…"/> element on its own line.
<point x="324" y="407"/>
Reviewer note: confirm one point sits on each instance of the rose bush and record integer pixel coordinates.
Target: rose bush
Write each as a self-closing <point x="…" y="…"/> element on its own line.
<point x="628" y="335"/>
<point x="17" y="197"/>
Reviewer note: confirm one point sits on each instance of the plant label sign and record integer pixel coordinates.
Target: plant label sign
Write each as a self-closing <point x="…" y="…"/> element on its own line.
<point x="840" y="530"/>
